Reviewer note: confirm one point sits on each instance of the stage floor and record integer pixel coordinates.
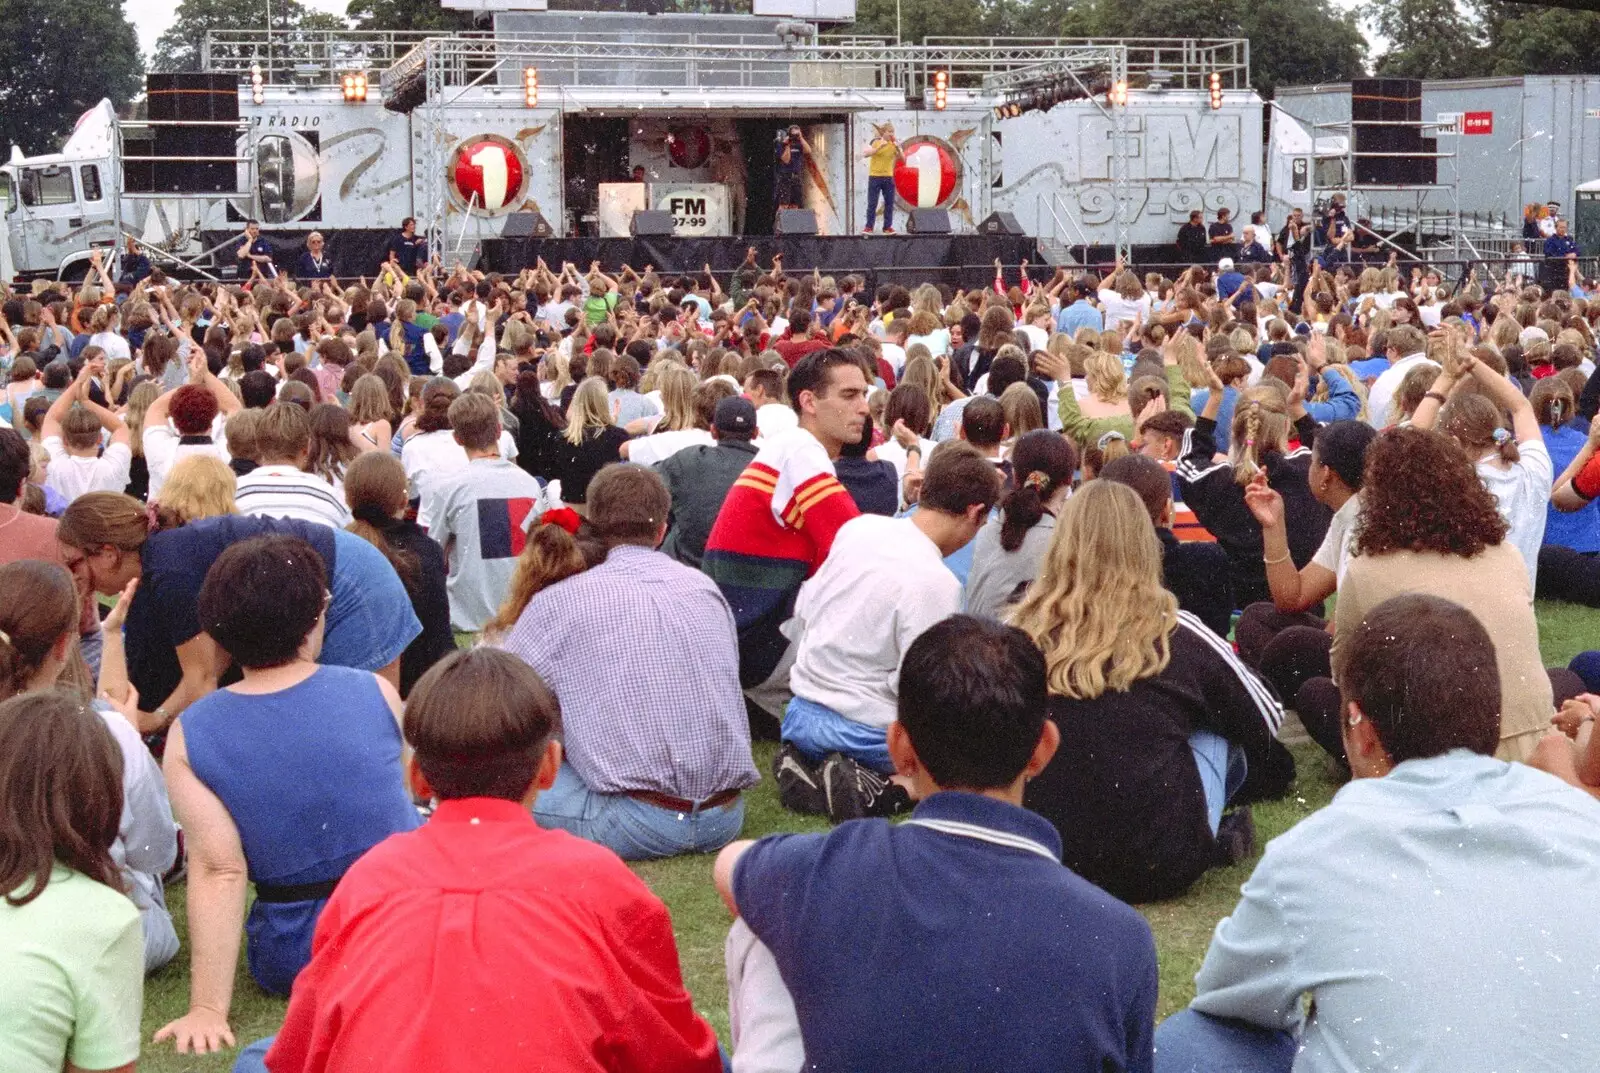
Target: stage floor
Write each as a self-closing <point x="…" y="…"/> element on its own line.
<point x="965" y="260"/>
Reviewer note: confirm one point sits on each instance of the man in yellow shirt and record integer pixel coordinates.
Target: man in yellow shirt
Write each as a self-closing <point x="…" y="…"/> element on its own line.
<point x="881" y="157"/>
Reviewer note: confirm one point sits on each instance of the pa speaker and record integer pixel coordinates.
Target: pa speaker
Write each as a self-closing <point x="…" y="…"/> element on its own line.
<point x="929" y="222"/>
<point x="651" y="222"/>
<point x="796" y="222"/>
<point x="1000" y="223"/>
<point x="531" y="225"/>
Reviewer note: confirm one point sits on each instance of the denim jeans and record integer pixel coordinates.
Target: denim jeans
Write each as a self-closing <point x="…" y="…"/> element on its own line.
<point x="1191" y="1042"/>
<point x="880" y="187"/>
<point x="630" y="828"/>
<point x="253" y="1056"/>
<point x="817" y="730"/>
<point x="1222" y="770"/>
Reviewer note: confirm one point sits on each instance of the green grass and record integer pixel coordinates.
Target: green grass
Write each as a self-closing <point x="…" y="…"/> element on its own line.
<point x="1182" y="926"/>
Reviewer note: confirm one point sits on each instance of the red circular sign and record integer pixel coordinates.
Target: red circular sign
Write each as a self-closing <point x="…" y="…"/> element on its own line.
<point x="688" y="146"/>
<point x="930" y="174"/>
<point x="487" y="174"/>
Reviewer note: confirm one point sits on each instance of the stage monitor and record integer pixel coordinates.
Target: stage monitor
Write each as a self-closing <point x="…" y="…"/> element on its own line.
<point x="929" y="222"/>
<point x="796" y="222"/>
<point x="652" y="222"/>
<point x="1000" y="223"/>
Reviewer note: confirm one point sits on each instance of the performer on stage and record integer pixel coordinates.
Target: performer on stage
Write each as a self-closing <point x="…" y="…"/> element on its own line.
<point x="792" y="152"/>
<point x="881" y="154"/>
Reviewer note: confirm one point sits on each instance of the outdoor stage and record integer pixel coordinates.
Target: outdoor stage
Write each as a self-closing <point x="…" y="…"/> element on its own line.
<point x="965" y="260"/>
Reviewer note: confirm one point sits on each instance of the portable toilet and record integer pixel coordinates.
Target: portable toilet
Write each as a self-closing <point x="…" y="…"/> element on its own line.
<point x="1586" y="218"/>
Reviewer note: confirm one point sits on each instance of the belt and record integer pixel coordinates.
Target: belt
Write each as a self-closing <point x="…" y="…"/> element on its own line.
<point x="679" y="804"/>
<point x="295" y="892"/>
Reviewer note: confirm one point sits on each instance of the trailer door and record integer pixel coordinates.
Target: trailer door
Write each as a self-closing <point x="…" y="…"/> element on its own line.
<point x="8" y="208"/>
<point x="49" y="213"/>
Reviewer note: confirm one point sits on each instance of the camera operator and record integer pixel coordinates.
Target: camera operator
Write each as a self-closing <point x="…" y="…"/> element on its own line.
<point x="792" y="152"/>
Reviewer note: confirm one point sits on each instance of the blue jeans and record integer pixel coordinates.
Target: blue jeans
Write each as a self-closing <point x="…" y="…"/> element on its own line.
<point x="253" y="1056"/>
<point x="370" y="621"/>
<point x="1222" y="770"/>
<point x="1586" y="665"/>
<point x="817" y="730"/>
<point x="630" y="828"/>
<point x="1191" y="1042"/>
<point x="880" y="187"/>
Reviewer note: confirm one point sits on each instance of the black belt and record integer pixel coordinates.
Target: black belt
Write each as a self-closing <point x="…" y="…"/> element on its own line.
<point x="277" y="894"/>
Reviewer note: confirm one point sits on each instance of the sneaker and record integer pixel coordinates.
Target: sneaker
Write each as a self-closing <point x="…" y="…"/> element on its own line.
<point x="799" y="782"/>
<point x="850" y="788"/>
<point x="888" y="230"/>
<point x="1236" y="836"/>
<point x="866" y="230"/>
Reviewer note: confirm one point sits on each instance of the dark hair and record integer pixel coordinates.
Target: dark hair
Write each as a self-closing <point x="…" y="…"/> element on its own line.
<point x="958" y="477"/>
<point x="60" y="793"/>
<point x="262" y="598"/>
<point x="983" y="422"/>
<point x="1423" y="671"/>
<point x="1420" y="492"/>
<point x="38" y="605"/>
<point x="375" y="489"/>
<point x="972" y="701"/>
<point x="437" y="396"/>
<point x="192" y="410"/>
<point x="1342" y="447"/>
<point x="909" y="403"/>
<point x="257" y="389"/>
<point x="1041" y="463"/>
<point x="1172" y="423"/>
<point x="628" y="504"/>
<point x="479" y="720"/>
<point x="1004" y="371"/>
<point x="1148" y="479"/>
<point x="814" y="372"/>
<point x="1552" y="402"/>
<point x="15" y="464"/>
<point x="1475" y="423"/>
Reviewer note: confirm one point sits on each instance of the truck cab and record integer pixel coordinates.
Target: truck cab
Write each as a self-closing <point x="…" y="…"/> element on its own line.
<point x="1300" y="167"/>
<point x="61" y="205"/>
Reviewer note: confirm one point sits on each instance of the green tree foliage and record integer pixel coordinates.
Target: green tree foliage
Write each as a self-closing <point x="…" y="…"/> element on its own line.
<point x="182" y="47"/>
<point x="44" y="85"/>
<point x="1428" y="39"/>
<point x="1524" y="39"/>
<point x="406" y="15"/>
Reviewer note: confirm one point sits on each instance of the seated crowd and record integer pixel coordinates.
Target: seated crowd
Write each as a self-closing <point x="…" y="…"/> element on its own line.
<point x="419" y="608"/>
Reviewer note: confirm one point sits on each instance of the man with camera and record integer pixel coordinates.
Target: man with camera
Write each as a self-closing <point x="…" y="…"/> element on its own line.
<point x="792" y="152"/>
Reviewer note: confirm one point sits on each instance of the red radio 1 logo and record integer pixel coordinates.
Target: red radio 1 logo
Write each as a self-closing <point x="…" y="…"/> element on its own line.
<point x="488" y="174"/>
<point x="1477" y="123"/>
<point x="930" y="175"/>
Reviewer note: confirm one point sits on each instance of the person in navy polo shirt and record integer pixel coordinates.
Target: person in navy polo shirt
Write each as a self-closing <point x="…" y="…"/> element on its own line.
<point x="253" y="252"/>
<point x="953" y="941"/>
<point x="314" y="263"/>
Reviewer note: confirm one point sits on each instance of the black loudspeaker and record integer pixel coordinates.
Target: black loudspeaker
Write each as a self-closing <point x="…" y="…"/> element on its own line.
<point x="651" y="222"/>
<point x="1000" y="223"/>
<point x="1376" y="105"/>
<point x="929" y="222"/>
<point x="212" y="102"/>
<point x="795" y="222"/>
<point x="530" y="225"/>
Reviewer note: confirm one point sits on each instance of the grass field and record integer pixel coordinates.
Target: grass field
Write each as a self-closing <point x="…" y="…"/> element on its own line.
<point x="1182" y="926"/>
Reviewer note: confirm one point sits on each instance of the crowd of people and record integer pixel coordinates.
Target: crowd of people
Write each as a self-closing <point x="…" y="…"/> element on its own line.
<point x="1033" y="570"/>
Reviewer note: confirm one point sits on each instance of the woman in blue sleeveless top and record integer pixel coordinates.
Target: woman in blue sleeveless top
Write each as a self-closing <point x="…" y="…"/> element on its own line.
<point x="285" y="778"/>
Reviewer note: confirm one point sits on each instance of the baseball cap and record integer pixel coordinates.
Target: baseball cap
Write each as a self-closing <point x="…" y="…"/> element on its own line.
<point x="735" y="416"/>
<point x="1531" y="335"/>
<point x="1225" y="265"/>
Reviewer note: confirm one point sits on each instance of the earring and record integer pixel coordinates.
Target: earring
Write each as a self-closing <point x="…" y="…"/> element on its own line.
<point x="1353" y="720"/>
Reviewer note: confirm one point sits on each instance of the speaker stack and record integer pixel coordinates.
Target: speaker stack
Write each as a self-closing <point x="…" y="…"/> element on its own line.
<point x="1386" y="117"/>
<point x="189" y="97"/>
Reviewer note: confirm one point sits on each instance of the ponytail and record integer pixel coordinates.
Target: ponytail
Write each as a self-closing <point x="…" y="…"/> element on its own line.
<point x="1506" y="444"/>
<point x="551" y="554"/>
<point x="1248" y="464"/>
<point x="1023" y="508"/>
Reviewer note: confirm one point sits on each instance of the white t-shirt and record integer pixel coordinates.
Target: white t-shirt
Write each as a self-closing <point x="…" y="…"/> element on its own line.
<point x="937" y="341"/>
<point x="112" y="343"/>
<point x="895" y="355"/>
<point x="1522" y="494"/>
<point x="883" y="583"/>
<point x="1117" y="308"/>
<point x="429" y="456"/>
<point x="648" y="450"/>
<point x="1381" y="397"/>
<point x="774" y="418"/>
<point x="892" y="453"/>
<point x="71" y="477"/>
<point x="1037" y="337"/>
<point x="280" y="491"/>
<point x="1334" y="554"/>
<point x="162" y="450"/>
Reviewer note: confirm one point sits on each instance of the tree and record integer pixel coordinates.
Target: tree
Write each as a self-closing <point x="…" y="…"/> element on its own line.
<point x="182" y="47"/>
<point x="1290" y="40"/>
<point x="1530" y="40"/>
<point x="45" y="83"/>
<point x="1427" y="39"/>
<point x="406" y="15"/>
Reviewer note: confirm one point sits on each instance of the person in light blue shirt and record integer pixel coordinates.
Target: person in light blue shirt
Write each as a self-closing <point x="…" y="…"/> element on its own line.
<point x="1081" y="313"/>
<point x="1432" y="913"/>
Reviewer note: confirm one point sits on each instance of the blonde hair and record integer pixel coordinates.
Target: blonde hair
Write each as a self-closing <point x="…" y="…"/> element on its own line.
<point x="1023" y="412"/>
<point x="199" y="486"/>
<point x="1099" y="611"/>
<point x="404" y="310"/>
<point x="147" y="392"/>
<point x="1106" y="377"/>
<point x="591" y="408"/>
<point x="1186" y="348"/>
<point x="677" y="384"/>
<point x="1260" y="425"/>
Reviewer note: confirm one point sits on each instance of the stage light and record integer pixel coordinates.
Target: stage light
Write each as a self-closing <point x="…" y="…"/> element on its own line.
<point x="941" y="88"/>
<point x="355" y="87"/>
<point x="530" y="86"/>
<point x="257" y="91"/>
<point x="1118" y="94"/>
<point x="1216" y="90"/>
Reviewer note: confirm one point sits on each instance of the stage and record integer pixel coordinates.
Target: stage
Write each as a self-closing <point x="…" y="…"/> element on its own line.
<point x="964" y="260"/>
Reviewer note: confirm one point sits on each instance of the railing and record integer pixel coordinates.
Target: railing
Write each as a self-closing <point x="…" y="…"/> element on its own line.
<point x="314" y="57"/>
<point x="1055" y="216"/>
<point x="1177" y="63"/>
